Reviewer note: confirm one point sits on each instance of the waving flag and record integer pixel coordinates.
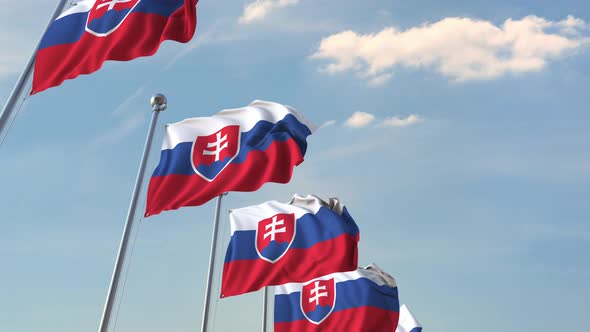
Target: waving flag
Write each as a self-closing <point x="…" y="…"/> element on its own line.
<point x="93" y="31"/>
<point x="407" y="321"/>
<point x="234" y="150"/>
<point x="275" y="243"/>
<point x="365" y="300"/>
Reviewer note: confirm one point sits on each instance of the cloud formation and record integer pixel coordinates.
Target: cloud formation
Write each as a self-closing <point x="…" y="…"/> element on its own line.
<point x="259" y="9"/>
<point x="459" y="48"/>
<point x="363" y="119"/>
<point x="328" y="123"/>
<point x="359" y="120"/>
<point x="395" y="121"/>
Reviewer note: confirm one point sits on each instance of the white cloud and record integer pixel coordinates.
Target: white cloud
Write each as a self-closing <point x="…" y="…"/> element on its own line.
<point x="259" y="9"/>
<point x="572" y="25"/>
<point x="459" y="48"/>
<point x="328" y="123"/>
<point x="363" y="119"/>
<point x="384" y="13"/>
<point x="360" y="119"/>
<point x="380" y="79"/>
<point x="395" y="121"/>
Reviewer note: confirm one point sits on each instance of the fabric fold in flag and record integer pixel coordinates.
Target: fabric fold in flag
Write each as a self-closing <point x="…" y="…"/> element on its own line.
<point x="407" y="321"/>
<point x="233" y="150"/>
<point x="275" y="243"/>
<point x="365" y="300"/>
<point x="83" y="37"/>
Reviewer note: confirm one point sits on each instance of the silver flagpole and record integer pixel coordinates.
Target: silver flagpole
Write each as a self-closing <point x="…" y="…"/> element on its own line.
<point x="265" y="310"/>
<point x="159" y="104"/>
<point x="19" y="88"/>
<point x="208" y="290"/>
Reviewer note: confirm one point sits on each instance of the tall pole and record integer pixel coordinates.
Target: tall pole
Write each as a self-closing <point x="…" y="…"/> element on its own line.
<point x="265" y="310"/>
<point x="159" y="104"/>
<point x="19" y="88"/>
<point x="208" y="290"/>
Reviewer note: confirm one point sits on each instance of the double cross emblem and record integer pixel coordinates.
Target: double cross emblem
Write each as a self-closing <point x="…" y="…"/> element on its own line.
<point x="273" y="228"/>
<point x="318" y="299"/>
<point x="212" y="153"/>
<point x="317" y="293"/>
<point x="274" y="236"/>
<point x="219" y="145"/>
<point x="110" y="3"/>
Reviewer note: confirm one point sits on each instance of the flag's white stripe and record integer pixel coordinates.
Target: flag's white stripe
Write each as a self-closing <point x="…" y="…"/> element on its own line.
<point x="247" y="218"/>
<point x="246" y="117"/>
<point x="80" y="7"/>
<point x="370" y="274"/>
<point x="407" y="321"/>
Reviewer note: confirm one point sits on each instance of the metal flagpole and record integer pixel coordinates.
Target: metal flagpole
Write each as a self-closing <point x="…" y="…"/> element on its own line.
<point x="159" y="104"/>
<point x="19" y="88"/>
<point x="265" y="310"/>
<point x="208" y="290"/>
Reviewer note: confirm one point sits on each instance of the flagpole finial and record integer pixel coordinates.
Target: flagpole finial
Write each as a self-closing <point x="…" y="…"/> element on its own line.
<point x="159" y="102"/>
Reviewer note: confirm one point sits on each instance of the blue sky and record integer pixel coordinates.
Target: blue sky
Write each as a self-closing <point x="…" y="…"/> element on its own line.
<point x="455" y="132"/>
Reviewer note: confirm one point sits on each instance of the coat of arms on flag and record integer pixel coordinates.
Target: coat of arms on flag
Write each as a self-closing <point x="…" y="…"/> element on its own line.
<point x="212" y="153"/>
<point x="107" y="15"/>
<point x="274" y="236"/>
<point x="317" y="300"/>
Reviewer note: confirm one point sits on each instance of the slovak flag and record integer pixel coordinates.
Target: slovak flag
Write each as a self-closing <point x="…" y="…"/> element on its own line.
<point x="93" y="31"/>
<point x="275" y="243"/>
<point x="365" y="300"/>
<point x="233" y="150"/>
<point x="407" y="321"/>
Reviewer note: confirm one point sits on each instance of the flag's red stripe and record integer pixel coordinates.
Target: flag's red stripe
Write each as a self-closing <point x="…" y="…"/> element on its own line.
<point x="298" y="265"/>
<point x="362" y="319"/>
<point x="141" y="35"/>
<point x="275" y="164"/>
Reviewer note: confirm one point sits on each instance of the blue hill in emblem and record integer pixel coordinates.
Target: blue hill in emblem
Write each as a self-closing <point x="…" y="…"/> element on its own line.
<point x="211" y="171"/>
<point x="108" y="21"/>
<point x="274" y="250"/>
<point x="319" y="313"/>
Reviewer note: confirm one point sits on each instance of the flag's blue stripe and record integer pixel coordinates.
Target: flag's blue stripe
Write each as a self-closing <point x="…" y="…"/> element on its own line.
<point x="178" y="159"/>
<point x="416" y="329"/>
<point x="311" y="229"/>
<point x="164" y="8"/>
<point x="69" y="29"/>
<point x="349" y="295"/>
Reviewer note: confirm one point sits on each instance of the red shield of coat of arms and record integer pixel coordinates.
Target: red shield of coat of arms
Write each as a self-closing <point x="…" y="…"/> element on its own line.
<point x="274" y="236"/>
<point x="318" y="298"/>
<point x="212" y="153"/>
<point x="107" y="16"/>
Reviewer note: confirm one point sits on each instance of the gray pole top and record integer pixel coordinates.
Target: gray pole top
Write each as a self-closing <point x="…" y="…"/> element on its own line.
<point x="159" y="102"/>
